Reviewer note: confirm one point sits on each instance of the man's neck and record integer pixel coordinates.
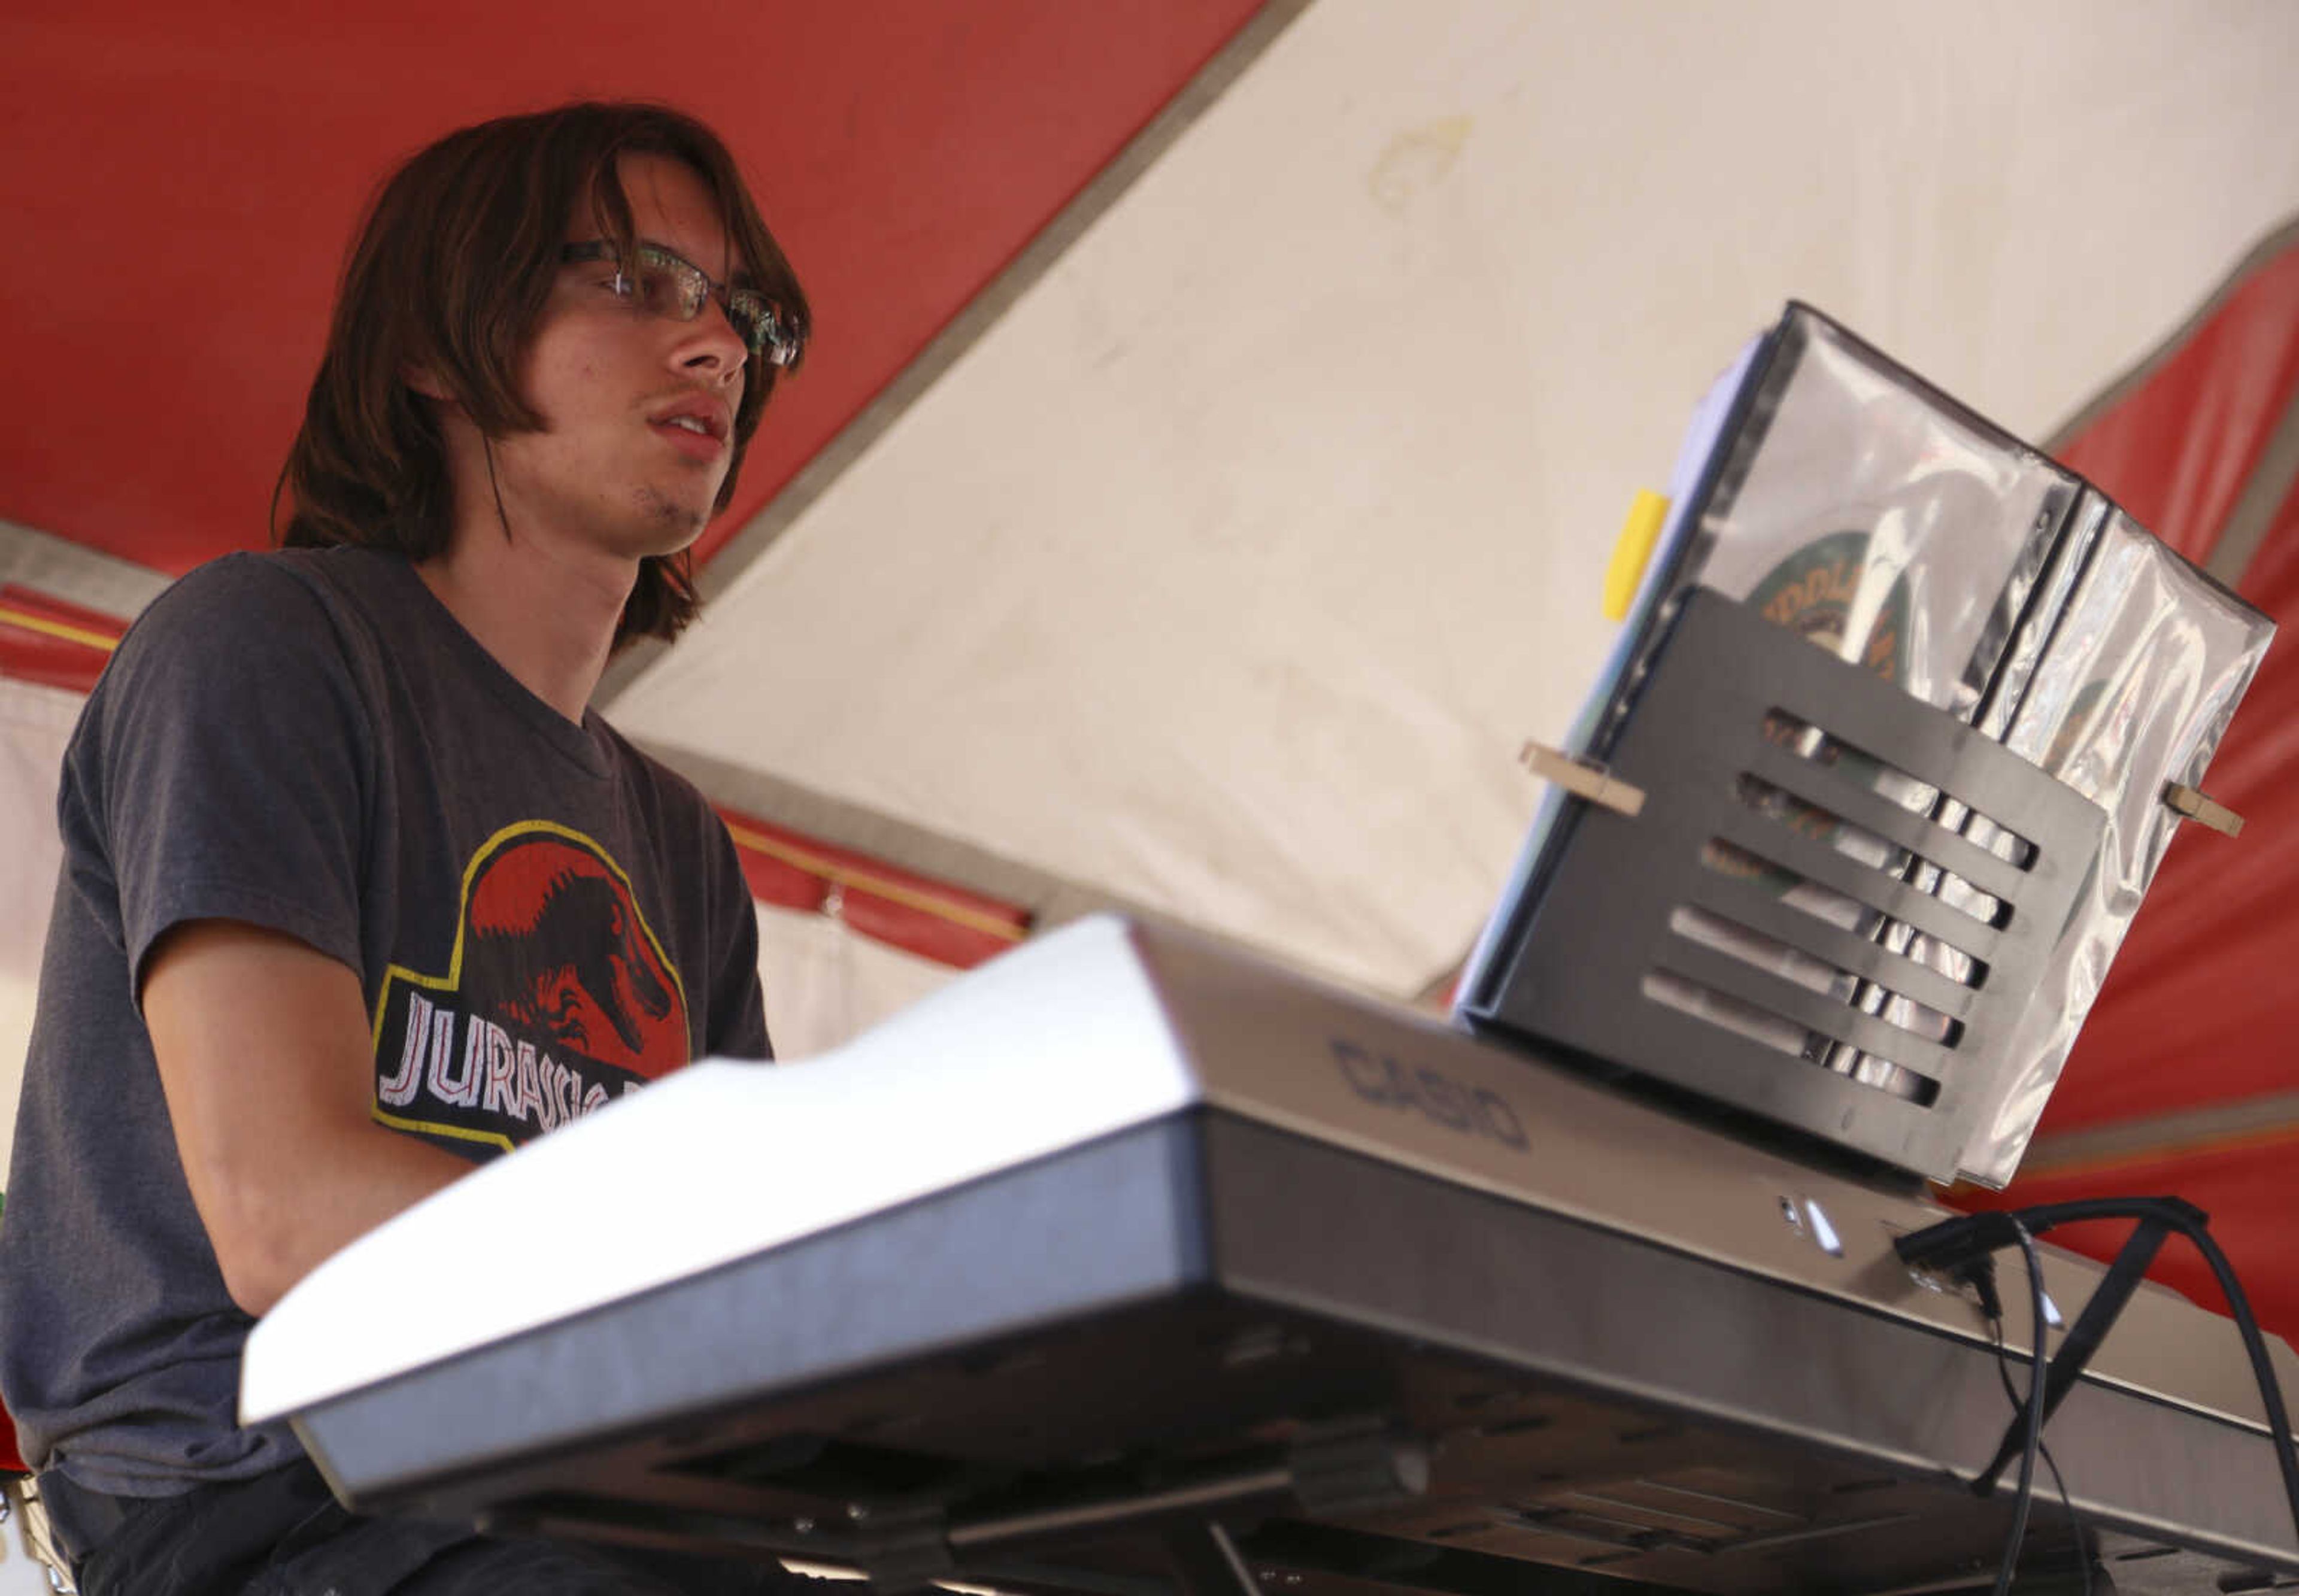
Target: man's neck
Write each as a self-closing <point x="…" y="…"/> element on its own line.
<point x="546" y="613"/>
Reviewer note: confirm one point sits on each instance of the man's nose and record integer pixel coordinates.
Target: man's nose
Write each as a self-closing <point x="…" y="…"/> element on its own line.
<point x="712" y="346"/>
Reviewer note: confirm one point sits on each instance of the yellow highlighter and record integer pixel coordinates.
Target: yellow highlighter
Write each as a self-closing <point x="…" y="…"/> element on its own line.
<point x="1632" y="551"/>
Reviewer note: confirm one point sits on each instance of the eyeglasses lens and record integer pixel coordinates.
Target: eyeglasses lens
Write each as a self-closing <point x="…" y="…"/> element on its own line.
<point x="669" y="286"/>
<point x="753" y="319"/>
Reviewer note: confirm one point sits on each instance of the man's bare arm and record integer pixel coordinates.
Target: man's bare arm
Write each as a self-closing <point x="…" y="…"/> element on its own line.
<point x="264" y="1056"/>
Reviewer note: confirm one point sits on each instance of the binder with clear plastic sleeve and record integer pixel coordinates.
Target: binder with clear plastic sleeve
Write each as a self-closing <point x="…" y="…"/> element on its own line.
<point x="1880" y="879"/>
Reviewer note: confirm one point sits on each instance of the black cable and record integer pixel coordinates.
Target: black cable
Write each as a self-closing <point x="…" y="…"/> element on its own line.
<point x="2026" y="1495"/>
<point x="2011" y="1395"/>
<point x="2278" y="1422"/>
<point x="2190" y="1222"/>
<point x="1954" y="1245"/>
<point x="2083" y="1552"/>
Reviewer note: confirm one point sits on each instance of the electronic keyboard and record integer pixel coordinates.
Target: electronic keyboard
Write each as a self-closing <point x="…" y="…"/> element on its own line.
<point x="1128" y="1260"/>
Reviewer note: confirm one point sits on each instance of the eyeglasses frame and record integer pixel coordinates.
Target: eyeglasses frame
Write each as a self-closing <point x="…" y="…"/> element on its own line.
<point x="777" y="342"/>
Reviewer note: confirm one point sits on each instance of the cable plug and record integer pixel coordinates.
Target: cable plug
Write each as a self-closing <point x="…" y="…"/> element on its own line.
<point x="1949" y="1246"/>
<point x="1979" y="1275"/>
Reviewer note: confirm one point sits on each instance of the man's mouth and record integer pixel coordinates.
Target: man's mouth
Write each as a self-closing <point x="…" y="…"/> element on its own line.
<point x="692" y="435"/>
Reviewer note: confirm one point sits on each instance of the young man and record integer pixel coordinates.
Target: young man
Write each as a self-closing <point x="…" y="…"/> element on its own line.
<point x="356" y="891"/>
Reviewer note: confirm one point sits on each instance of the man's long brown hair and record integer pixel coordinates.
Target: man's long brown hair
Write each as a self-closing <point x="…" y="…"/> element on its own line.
<point x="449" y="277"/>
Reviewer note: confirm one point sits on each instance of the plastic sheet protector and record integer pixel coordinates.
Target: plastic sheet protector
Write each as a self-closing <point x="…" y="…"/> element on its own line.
<point x="1843" y="497"/>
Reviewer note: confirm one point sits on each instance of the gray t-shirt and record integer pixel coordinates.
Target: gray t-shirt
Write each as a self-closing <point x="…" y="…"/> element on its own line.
<point x="542" y="918"/>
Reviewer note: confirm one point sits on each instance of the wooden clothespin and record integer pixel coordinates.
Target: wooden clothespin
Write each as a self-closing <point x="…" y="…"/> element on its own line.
<point x="1584" y="779"/>
<point x="2198" y="806"/>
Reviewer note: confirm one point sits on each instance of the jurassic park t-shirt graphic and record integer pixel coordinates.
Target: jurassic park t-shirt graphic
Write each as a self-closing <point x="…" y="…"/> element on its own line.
<point x="558" y="999"/>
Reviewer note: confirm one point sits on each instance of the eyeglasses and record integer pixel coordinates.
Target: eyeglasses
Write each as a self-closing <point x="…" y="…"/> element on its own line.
<point x="667" y="284"/>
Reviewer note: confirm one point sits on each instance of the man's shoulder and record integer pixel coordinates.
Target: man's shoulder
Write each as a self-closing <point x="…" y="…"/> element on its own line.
<point x="250" y="627"/>
<point x="269" y="589"/>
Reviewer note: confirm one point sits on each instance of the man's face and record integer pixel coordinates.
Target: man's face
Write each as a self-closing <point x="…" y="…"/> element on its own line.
<point x="638" y="409"/>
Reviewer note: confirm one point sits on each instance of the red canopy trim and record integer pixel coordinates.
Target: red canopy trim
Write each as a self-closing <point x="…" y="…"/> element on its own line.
<point x="2115" y="1156"/>
<point x="931" y="919"/>
<point x="55" y="644"/>
<point x="2179" y="448"/>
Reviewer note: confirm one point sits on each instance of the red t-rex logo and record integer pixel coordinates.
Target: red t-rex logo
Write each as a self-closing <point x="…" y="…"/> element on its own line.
<point x="555" y="948"/>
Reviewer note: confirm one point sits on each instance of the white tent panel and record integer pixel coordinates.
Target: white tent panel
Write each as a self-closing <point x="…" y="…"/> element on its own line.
<point x="36" y="723"/>
<point x="1227" y="572"/>
<point x="825" y="984"/>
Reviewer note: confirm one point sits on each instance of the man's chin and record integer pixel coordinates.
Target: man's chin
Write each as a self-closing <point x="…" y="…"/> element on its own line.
<point x="669" y="526"/>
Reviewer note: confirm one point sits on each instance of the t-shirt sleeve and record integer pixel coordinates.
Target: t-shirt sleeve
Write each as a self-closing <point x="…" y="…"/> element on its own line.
<point x="225" y="764"/>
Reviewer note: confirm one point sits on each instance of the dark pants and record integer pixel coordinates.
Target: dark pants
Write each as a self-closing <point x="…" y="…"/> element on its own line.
<point x="282" y="1533"/>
